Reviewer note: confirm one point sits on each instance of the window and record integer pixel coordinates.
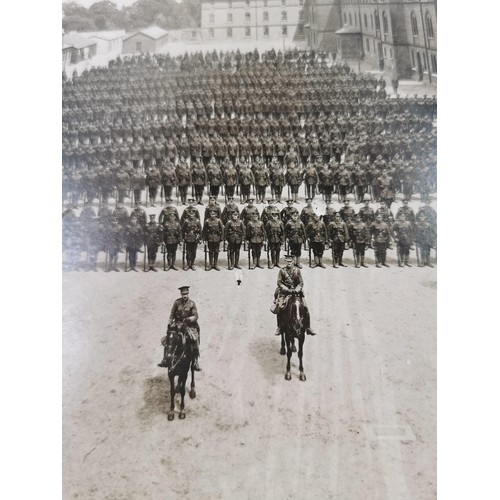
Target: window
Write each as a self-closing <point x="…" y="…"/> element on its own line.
<point x="412" y="59"/>
<point x="283" y="15"/>
<point x="265" y="3"/>
<point x="385" y="24"/>
<point x="193" y="35"/>
<point x="385" y="52"/>
<point x="211" y="19"/>
<point x="377" y="21"/>
<point x="284" y="30"/>
<point x="390" y="53"/>
<point x="371" y="20"/>
<point x="229" y="32"/>
<point x="366" y="21"/>
<point x="434" y="64"/>
<point x="266" y="30"/>
<point x="367" y="45"/>
<point x="248" y="31"/>
<point x="230" y="5"/>
<point x="265" y="16"/>
<point x="300" y="30"/>
<point x="350" y="18"/>
<point x="414" y="25"/>
<point x="247" y="17"/>
<point x="248" y="3"/>
<point x="301" y="16"/>
<point x="211" y="33"/>
<point x="301" y="2"/>
<point x="429" y="26"/>
<point x="229" y="18"/>
<point x="345" y="18"/>
<point x="283" y="3"/>
<point x="355" y="18"/>
<point x="425" y="62"/>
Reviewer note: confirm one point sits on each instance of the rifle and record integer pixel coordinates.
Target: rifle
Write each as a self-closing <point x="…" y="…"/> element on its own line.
<point x="310" y="261"/>
<point x="145" y="256"/>
<point x="249" y="266"/>
<point x="268" y="261"/>
<point x="206" y="257"/>
<point x="126" y="259"/>
<point x="183" y="256"/>
<point x="163" y="251"/>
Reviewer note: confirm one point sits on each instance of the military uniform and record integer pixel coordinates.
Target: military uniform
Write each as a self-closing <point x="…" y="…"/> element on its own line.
<point x="153" y="238"/>
<point x="256" y="236"/>
<point x="338" y="236"/>
<point x="403" y="235"/>
<point x="234" y="233"/>
<point x="199" y="180"/>
<point x="153" y="181"/>
<point x="191" y="234"/>
<point x="114" y="242"/>
<point x="134" y="240"/>
<point x="213" y="234"/>
<point x="381" y="237"/>
<point x="229" y="208"/>
<point x="317" y="235"/>
<point x="425" y="239"/>
<point x="275" y="233"/>
<point x="171" y="238"/>
<point x="360" y="237"/>
<point x="295" y="233"/>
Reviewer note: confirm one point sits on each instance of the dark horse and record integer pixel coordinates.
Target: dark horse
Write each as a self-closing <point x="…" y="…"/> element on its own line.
<point x="292" y="326"/>
<point x="179" y="361"/>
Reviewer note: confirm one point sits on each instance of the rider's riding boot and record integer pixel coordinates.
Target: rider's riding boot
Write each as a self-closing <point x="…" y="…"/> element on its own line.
<point x="196" y="366"/>
<point x="320" y="263"/>
<point x="237" y="259"/>
<point x="216" y="258"/>
<point x="278" y="331"/>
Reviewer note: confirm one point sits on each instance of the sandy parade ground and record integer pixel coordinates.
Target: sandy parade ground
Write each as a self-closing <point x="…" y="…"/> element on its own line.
<point x="363" y="425"/>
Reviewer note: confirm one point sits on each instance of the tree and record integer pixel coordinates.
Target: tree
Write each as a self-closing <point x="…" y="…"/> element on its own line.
<point x="78" y="23"/>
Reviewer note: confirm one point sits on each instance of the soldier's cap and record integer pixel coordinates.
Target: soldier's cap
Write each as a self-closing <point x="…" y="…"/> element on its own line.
<point x="190" y="200"/>
<point x="250" y="200"/>
<point x="168" y="200"/>
<point x="213" y="212"/>
<point x="288" y="257"/>
<point x="405" y="201"/>
<point x="289" y="201"/>
<point x="212" y="197"/>
<point x="230" y="198"/>
<point x="184" y="290"/>
<point x="309" y="199"/>
<point x="137" y="202"/>
<point x="152" y="216"/>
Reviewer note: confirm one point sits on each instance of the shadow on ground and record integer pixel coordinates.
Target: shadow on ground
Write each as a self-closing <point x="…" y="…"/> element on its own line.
<point x="156" y="398"/>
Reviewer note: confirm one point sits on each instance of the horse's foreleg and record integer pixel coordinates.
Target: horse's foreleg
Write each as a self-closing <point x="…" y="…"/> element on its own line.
<point x="288" y="375"/>
<point x="302" y="375"/>
<point x="171" y="413"/>
<point x="282" y="350"/>
<point x="192" y="392"/>
<point x="182" y="413"/>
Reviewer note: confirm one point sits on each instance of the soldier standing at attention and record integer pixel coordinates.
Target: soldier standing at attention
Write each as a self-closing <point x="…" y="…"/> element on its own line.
<point x="171" y="238"/>
<point x="167" y="210"/>
<point x="213" y="234"/>
<point x="339" y="236"/>
<point x="191" y="235"/>
<point x="381" y="237"/>
<point x="295" y="233"/>
<point x="153" y="238"/>
<point x="256" y="236"/>
<point x="403" y="235"/>
<point x="234" y="233"/>
<point x="275" y="233"/>
<point x="360" y="237"/>
<point x="316" y="233"/>
<point x="134" y="239"/>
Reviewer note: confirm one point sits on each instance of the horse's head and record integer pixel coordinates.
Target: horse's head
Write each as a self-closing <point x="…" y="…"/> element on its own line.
<point x="295" y="314"/>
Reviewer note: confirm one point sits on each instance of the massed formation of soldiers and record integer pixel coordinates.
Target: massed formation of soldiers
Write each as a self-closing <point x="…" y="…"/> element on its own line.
<point x="115" y="231"/>
<point x="243" y="123"/>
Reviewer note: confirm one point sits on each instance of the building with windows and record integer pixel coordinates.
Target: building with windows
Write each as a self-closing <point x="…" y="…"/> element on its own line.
<point x="397" y="36"/>
<point x="152" y="39"/>
<point x="257" y="20"/>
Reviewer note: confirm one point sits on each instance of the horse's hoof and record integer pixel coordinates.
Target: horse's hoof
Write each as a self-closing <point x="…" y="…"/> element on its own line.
<point x="302" y="376"/>
<point x="288" y="376"/>
<point x="171" y="415"/>
<point x="182" y="415"/>
<point x="192" y="393"/>
<point x="294" y="349"/>
<point x="282" y="351"/>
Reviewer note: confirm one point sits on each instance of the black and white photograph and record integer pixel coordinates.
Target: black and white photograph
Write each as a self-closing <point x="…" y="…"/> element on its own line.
<point x="249" y="249"/>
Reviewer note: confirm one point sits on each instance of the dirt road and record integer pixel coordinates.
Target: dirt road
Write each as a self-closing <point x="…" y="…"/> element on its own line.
<point x="363" y="425"/>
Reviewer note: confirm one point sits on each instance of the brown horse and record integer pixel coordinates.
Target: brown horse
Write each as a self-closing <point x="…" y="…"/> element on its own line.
<point x="292" y="326"/>
<point x="179" y="361"/>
